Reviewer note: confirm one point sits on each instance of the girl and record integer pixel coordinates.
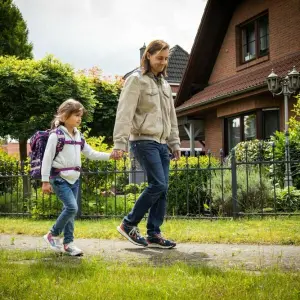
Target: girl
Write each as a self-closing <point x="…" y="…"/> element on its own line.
<point x="146" y="114"/>
<point x="61" y="173"/>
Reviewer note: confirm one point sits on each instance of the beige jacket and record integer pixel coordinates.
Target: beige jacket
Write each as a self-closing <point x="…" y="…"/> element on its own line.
<point x="146" y="112"/>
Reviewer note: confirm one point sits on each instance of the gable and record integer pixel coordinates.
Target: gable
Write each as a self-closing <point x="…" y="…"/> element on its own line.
<point x="208" y="41"/>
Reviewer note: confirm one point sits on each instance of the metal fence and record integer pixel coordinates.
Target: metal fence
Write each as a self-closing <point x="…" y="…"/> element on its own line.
<point x="199" y="187"/>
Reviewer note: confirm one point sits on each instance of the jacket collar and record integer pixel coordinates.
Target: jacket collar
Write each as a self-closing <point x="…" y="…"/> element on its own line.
<point x="76" y="131"/>
<point x="158" y="79"/>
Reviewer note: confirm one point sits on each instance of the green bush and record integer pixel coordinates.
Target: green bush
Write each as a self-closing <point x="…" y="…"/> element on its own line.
<point x="288" y="199"/>
<point x="188" y="185"/>
<point x="278" y="139"/>
<point x="254" y="150"/>
<point x="252" y="193"/>
<point x="8" y="166"/>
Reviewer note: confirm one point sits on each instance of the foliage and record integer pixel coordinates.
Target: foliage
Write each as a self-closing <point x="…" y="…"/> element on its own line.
<point x="31" y="91"/>
<point x="279" y="141"/>
<point x="253" y="192"/>
<point x="188" y="185"/>
<point x="254" y="150"/>
<point x="288" y="199"/>
<point x="13" y="32"/>
<point x="8" y="166"/>
<point x="107" y="92"/>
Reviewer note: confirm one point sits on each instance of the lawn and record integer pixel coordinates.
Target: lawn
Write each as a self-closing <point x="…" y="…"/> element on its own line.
<point x="282" y="231"/>
<point x="43" y="275"/>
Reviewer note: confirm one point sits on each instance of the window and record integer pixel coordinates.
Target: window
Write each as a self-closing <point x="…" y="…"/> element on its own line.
<point x="255" y="38"/>
<point x="234" y="132"/>
<point x="270" y="122"/>
<point x="260" y="124"/>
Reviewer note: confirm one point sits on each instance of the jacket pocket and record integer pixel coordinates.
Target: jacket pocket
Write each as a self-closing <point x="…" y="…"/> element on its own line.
<point x="166" y="92"/>
<point x="152" y="125"/>
<point x="143" y="122"/>
<point x="151" y="92"/>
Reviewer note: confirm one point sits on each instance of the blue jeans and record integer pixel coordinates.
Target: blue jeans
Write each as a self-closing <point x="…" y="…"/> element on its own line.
<point x="67" y="193"/>
<point x="155" y="161"/>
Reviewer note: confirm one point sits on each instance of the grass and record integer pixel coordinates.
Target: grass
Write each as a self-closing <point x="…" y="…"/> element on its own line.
<point x="281" y="231"/>
<point x="42" y="275"/>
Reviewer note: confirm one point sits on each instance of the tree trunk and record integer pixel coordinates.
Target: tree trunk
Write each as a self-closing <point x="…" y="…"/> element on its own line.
<point x="23" y="149"/>
<point x="26" y="177"/>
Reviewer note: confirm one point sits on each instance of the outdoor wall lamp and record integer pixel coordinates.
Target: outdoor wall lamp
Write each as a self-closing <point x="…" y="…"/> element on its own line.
<point x="286" y="86"/>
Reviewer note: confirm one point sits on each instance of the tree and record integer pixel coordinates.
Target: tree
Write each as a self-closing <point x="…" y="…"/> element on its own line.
<point x="31" y="91"/>
<point x="107" y="93"/>
<point x="13" y="31"/>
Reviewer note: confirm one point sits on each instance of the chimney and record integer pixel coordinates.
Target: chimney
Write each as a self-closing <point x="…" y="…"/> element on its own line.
<point x="142" y="50"/>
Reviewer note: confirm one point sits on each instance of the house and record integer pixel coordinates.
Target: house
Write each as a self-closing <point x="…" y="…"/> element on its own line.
<point x="223" y="98"/>
<point x="178" y="59"/>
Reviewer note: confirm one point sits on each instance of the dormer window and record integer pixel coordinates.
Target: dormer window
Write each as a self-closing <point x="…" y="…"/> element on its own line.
<point x="254" y="38"/>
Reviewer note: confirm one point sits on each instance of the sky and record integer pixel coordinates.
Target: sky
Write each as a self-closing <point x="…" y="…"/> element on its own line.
<point x="108" y="33"/>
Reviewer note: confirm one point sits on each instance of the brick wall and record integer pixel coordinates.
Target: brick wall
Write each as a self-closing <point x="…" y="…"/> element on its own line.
<point x="213" y="133"/>
<point x="284" y="32"/>
<point x="174" y="88"/>
<point x="13" y="149"/>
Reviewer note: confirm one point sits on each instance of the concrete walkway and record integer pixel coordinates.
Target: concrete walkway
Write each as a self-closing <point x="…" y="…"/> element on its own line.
<point x="248" y="257"/>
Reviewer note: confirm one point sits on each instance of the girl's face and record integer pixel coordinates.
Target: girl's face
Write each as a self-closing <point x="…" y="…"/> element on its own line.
<point x="74" y="120"/>
<point x="158" y="61"/>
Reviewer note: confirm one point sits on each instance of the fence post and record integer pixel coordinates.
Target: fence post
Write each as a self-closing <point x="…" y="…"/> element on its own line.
<point x="234" y="184"/>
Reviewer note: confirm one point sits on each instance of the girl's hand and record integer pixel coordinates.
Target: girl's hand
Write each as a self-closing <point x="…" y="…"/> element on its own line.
<point x="117" y="154"/>
<point x="47" y="188"/>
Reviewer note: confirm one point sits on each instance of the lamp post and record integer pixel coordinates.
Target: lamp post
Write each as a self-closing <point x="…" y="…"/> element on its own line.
<point x="287" y="85"/>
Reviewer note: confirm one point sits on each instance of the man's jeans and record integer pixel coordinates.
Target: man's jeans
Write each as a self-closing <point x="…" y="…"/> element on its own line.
<point x="67" y="193"/>
<point x="154" y="159"/>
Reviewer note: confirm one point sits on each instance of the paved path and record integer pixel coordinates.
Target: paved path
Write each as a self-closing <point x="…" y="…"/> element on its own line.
<point x="248" y="257"/>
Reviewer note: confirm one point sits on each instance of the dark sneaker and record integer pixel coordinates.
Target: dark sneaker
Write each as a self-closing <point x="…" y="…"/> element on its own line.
<point x="132" y="234"/>
<point x="157" y="241"/>
<point x="72" y="250"/>
<point x="54" y="242"/>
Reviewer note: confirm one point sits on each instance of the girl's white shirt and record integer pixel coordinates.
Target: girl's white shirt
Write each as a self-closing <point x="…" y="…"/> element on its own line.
<point x="69" y="157"/>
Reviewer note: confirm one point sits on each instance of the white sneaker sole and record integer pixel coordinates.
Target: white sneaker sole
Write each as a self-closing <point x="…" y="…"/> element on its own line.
<point x="153" y="245"/>
<point x="128" y="237"/>
<point x="55" y="249"/>
<point x="74" y="254"/>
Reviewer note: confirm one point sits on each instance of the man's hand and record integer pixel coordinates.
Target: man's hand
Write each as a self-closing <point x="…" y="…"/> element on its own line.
<point x="176" y="154"/>
<point x="47" y="188"/>
<point x="117" y="154"/>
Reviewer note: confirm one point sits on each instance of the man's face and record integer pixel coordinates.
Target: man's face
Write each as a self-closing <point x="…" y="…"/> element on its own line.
<point x="158" y="61"/>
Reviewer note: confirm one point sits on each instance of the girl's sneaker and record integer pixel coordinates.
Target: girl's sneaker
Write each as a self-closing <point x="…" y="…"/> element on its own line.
<point x="54" y="242"/>
<point x="72" y="250"/>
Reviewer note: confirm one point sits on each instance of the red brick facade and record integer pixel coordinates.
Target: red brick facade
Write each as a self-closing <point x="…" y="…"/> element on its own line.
<point x="229" y="75"/>
<point x="13" y="149"/>
<point x="284" y="20"/>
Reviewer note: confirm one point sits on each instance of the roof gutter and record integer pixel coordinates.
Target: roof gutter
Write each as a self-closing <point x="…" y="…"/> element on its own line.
<point x="221" y="97"/>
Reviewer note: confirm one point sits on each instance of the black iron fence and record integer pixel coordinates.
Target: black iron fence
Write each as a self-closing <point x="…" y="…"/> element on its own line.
<point x="199" y="187"/>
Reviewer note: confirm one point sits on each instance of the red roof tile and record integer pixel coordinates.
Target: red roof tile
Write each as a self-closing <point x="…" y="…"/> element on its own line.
<point x="240" y="81"/>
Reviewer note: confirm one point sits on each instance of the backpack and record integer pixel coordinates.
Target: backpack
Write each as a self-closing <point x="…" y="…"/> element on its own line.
<point x="38" y="144"/>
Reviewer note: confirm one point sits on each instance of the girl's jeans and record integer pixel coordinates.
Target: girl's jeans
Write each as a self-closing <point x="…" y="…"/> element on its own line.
<point x="154" y="159"/>
<point x="67" y="193"/>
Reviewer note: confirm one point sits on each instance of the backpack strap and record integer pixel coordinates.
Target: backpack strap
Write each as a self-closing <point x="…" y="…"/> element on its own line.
<point x="82" y="141"/>
<point x="61" y="140"/>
